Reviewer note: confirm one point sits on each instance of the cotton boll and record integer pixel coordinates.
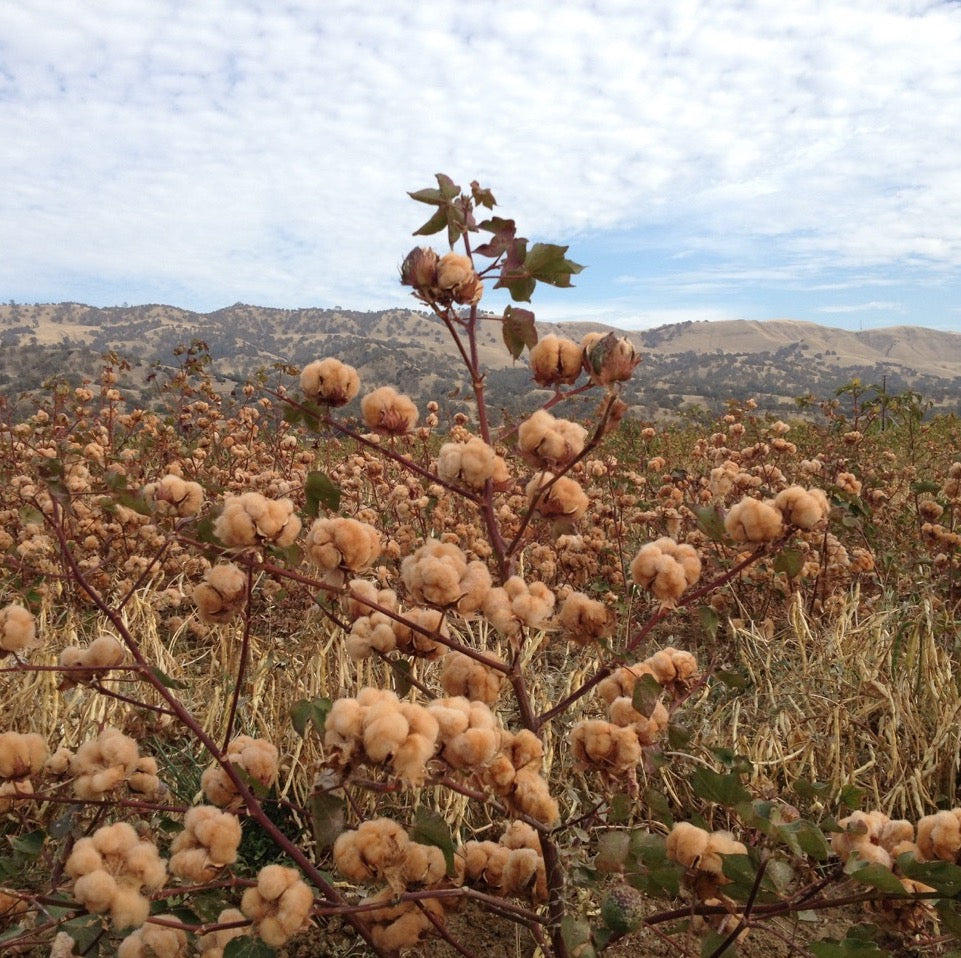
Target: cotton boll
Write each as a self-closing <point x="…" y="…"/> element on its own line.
<point x="371" y="633"/>
<point x="597" y="743"/>
<point x="412" y="636"/>
<point x="423" y="865"/>
<point x="667" y="568"/>
<point x="608" y="358"/>
<point x="329" y="382"/>
<point x="128" y="908"/>
<point x="343" y="725"/>
<point x="385" y="730"/>
<point x="720" y="844"/>
<point x="154" y="941"/>
<point x="21" y="755"/>
<point x="174" y="495"/>
<point x="804" y="508"/>
<point x="18" y="630"/>
<point x="456" y="275"/>
<point x="546" y="442"/>
<point x="386" y="411"/>
<point x="686" y="844"/>
<point x="213" y="943"/>
<point x="939" y="835"/>
<point x="361" y="592"/>
<point x="584" y="620"/>
<point x="250" y="518"/>
<point x="222" y="594"/>
<point x="751" y="520"/>
<point x="563" y="498"/>
<point x="471" y="463"/>
<point x="95" y="890"/>
<point x="277" y="905"/>
<point x="462" y="675"/>
<point x="104" y="653"/>
<point x="410" y="760"/>
<point x="475" y="584"/>
<point x="532" y="797"/>
<point x="555" y="361"/>
<point x="339" y="543"/>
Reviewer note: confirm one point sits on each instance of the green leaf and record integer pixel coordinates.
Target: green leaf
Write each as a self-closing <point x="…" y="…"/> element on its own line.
<point x="481" y="196"/>
<point x="805" y="838"/>
<point x="679" y="736"/>
<point x="435" y="224"/>
<point x="924" y="486"/>
<point x="518" y="330"/>
<point x="320" y="490"/>
<point x="647" y="693"/>
<point x="849" y="948"/>
<point x="620" y="809"/>
<point x="944" y="877"/>
<point x="328" y="818"/>
<point x="877" y="876"/>
<point x="725" y="789"/>
<point x="546" y="262"/>
<point x="504" y="232"/>
<point x="612" y="851"/>
<point x="165" y="680"/>
<point x="710" y="944"/>
<point x="851" y="797"/>
<point x="790" y="562"/>
<point x="29" y="845"/>
<point x="431" y="829"/>
<point x="577" y="936"/>
<point x="709" y="619"/>
<point x="306" y="712"/>
<point x="247" y="947"/>
<point x="402" y="676"/>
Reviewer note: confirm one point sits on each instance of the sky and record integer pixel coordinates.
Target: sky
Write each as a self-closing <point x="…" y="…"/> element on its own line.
<point x="702" y="159"/>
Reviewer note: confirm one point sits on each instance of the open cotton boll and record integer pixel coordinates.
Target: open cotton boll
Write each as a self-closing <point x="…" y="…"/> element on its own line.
<point x="18" y="630"/>
<point x="584" y="620"/>
<point x="278" y="905"/>
<point x="329" y="382"/>
<point x="561" y="498"/>
<point x="546" y="442"/>
<point x="22" y="754"/>
<point x="804" y="508"/>
<point x="174" y="495"/>
<point x="471" y="463"/>
<point x="751" y="520"/>
<point x="250" y="519"/>
<point x="212" y="944"/>
<point x="342" y="543"/>
<point x="412" y="634"/>
<point x="939" y="835"/>
<point x="389" y="412"/>
<point x="222" y="594"/>
<point x="604" y="745"/>
<point x="154" y="941"/>
<point x="462" y="675"/>
<point x="556" y="361"/>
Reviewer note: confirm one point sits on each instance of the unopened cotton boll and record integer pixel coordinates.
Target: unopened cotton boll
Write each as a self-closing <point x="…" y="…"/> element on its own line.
<point x="389" y="412"/>
<point x="751" y="520"/>
<point x="556" y="361"/>
<point x="329" y="382"/>
<point x="608" y="358"/>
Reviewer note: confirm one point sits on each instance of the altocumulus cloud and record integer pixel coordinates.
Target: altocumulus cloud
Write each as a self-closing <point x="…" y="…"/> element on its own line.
<point x="201" y="153"/>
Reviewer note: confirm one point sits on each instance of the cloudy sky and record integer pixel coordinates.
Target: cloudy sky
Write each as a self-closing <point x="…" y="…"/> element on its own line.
<point x="704" y="159"/>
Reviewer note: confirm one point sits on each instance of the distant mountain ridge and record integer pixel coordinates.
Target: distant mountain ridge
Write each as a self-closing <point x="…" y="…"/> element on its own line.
<point x="685" y="364"/>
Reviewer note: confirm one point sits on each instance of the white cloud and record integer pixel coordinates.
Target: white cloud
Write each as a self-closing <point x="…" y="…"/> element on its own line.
<point x="863" y="307"/>
<point x="244" y="150"/>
